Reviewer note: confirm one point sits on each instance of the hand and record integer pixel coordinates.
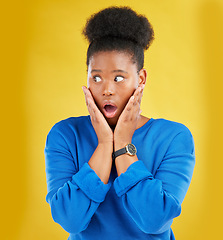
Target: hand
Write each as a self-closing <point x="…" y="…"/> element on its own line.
<point x="101" y="127"/>
<point x="128" y="120"/>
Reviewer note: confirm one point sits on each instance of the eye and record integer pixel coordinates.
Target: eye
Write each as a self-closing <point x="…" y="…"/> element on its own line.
<point x="97" y="78"/>
<point x="119" y="79"/>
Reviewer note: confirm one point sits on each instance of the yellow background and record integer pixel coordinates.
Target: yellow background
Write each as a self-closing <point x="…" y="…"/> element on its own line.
<point x="43" y="69"/>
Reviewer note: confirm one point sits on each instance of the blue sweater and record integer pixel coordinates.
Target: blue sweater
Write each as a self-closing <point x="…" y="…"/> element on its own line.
<point x="139" y="204"/>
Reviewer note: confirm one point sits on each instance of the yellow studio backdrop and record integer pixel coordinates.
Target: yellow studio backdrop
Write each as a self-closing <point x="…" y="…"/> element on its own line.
<point x="43" y="69"/>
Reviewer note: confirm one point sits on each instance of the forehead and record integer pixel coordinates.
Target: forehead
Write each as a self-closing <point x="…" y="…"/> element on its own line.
<point x="111" y="60"/>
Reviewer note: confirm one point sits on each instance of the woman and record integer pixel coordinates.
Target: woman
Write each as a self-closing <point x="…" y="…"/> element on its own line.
<point x="115" y="173"/>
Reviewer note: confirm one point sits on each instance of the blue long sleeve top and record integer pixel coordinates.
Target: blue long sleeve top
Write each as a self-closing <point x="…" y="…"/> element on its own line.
<point x="140" y="203"/>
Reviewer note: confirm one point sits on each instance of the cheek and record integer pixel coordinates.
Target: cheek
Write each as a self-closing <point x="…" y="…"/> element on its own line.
<point x="94" y="89"/>
<point x="125" y="96"/>
<point x="128" y="91"/>
<point x="132" y="84"/>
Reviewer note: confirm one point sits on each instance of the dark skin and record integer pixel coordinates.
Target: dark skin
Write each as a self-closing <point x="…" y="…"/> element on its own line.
<point x="113" y="79"/>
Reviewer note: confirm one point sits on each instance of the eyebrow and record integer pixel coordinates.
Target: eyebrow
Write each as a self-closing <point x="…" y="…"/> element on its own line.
<point x="118" y="70"/>
<point x="95" y="70"/>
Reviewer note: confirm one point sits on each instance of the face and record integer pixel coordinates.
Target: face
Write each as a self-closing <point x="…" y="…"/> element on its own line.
<point x="112" y="80"/>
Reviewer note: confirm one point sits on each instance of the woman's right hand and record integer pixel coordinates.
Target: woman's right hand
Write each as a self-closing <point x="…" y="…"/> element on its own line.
<point x="101" y="127"/>
<point x="101" y="160"/>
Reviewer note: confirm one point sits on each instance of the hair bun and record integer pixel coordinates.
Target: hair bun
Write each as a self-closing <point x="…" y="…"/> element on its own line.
<point x="119" y="22"/>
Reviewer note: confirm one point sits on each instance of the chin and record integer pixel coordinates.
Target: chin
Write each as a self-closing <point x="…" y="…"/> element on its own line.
<point x="112" y="122"/>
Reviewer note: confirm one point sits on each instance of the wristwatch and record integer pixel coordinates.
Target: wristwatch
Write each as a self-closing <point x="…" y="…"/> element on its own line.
<point x="130" y="149"/>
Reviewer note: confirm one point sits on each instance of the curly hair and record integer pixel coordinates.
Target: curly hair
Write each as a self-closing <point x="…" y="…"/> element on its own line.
<point x="120" y="29"/>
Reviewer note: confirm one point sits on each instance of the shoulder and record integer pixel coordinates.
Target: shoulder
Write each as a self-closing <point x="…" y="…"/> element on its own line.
<point x="174" y="134"/>
<point x="68" y="128"/>
<point x="71" y="123"/>
<point x="168" y="127"/>
<point x="171" y="133"/>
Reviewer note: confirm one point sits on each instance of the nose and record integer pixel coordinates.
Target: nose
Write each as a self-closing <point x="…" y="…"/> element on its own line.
<point x="108" y="89"/>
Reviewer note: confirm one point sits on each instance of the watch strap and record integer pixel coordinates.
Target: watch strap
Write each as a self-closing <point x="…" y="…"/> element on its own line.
<point x="119" y="152"/>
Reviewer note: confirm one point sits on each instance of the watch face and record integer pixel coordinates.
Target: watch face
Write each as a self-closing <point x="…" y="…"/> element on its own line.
<point x="131" y="149"/>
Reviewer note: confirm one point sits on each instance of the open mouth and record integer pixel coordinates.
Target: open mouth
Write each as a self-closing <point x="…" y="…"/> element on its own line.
<point x="109" y="110"/>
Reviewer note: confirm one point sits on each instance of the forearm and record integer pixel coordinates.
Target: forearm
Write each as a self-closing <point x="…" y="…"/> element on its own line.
<point x="154" y="199"/>
<point x="145" y="200"/>
<point x="101" y="161"/>
<point x="74" y="203"/>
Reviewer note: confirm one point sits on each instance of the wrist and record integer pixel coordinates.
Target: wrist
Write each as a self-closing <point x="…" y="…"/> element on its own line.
<point x="106" y="145"/>
<point x="128" y="149"/>
<point x="121" y="144"/>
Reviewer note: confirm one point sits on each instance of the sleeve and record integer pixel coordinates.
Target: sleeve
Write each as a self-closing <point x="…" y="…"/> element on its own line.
<point x="153" y="201"/>
<point x="73" y="195"/>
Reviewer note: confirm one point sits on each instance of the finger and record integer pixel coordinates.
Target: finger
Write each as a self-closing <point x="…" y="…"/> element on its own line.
<point x="142" y="89"/>
<point x="129" y="110"/>
<point x="89" y="98"/>
<point x="87" y="93"/>
<point x="132" y="107"/>
<point x="130" y="103"/>
<point x="138" y="95"/>
<point x="91" y="106"/>
<point x="93" y="110"/>
<point x="132" y="111"/>
<point x="135" y="110"/>
<point x="136" y="101"/>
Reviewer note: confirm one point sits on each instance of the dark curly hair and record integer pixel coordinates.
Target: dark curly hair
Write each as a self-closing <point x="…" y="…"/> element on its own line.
<point x="120" y="29"/>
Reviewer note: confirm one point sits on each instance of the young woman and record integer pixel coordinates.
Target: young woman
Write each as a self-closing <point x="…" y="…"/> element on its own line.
<point x="116" y="174"/>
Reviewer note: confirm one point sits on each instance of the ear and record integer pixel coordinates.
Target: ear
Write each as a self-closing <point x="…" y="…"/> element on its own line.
<point x="142" y="76"/>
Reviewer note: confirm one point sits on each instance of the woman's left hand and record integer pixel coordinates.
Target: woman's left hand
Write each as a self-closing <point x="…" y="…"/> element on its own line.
<point x="128" y="120"/>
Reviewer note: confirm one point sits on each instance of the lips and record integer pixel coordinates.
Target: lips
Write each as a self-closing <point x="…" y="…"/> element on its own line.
<point x="109" y="109"/>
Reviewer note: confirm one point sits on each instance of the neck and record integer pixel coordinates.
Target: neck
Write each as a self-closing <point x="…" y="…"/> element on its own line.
<point x="142" y="120"/>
